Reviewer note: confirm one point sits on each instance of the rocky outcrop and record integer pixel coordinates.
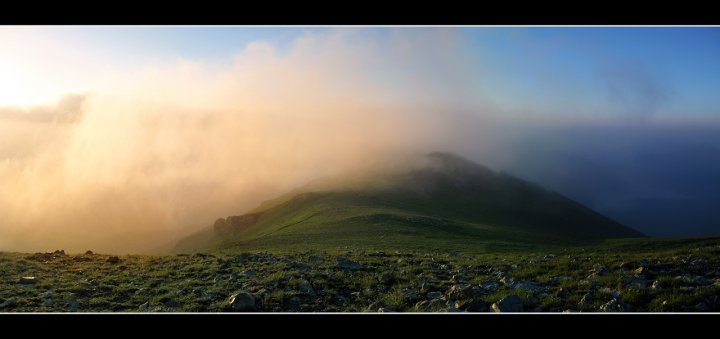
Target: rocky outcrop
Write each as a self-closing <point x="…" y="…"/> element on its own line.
<point x="234" y="223"/>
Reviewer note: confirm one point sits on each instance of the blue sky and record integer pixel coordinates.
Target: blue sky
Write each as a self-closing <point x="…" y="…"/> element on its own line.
<point x="638" y="72"/>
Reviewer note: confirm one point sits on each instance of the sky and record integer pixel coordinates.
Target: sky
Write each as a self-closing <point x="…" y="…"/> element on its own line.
<point x="122" y="138"/>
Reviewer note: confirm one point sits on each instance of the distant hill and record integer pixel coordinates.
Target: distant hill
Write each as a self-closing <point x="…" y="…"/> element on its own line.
<point x="444" y="201"/>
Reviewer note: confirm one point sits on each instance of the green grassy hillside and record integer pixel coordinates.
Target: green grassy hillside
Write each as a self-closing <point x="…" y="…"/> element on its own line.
<point x="447" y="202"/>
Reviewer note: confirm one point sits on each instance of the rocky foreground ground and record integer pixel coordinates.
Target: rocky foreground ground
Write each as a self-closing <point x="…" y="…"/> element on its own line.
<point x="682" y="279"/>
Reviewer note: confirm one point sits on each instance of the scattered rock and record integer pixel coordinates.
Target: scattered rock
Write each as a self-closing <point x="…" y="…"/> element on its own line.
<point x="510" y="303"/>
<point x="144" y="307"/>
<point x="59" y="252"/>
<point x="88" y="252"/>
<point x="242" y="302"/>
<point x="113" y="259"/>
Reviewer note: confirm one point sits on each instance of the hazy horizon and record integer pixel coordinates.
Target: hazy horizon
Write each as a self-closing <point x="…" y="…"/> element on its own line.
<point x="126" y="139"/>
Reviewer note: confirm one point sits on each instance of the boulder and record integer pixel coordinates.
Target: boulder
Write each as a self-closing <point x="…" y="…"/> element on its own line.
<point x="27" y="280"/>
<point x="459" y="291"/>
<point x="9" y="302"/>
<point x="434" y="295"/>
<point x="510" y="303"/>
<point x="242" y="302"/>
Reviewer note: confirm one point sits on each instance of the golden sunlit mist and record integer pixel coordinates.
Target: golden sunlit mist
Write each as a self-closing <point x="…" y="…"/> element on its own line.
<point x="147" y="157"/>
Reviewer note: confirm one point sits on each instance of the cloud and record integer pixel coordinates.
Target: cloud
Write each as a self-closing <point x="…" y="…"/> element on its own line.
<point x="634" y="91"/>
<point x="67" y="110"/>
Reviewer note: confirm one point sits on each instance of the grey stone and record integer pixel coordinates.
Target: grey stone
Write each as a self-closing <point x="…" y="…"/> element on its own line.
<point x="562" y="293"/>
<point x="637" y="282"/>
<point x="9" y="302"/>
<point x="476" y="305"/>
<point x="528" y="286"/>
<point x="242" y="302"/>
<point x="305" y="287"/>
<point x="489" y="286"/>
<point x="410" y="293"/>
<point x="434" y="295"/>
<point x="510" y="303"/>
<point x="144" y="307"/>
<point x="459" y="291"/>
<point x="72" y="303"/>
<point x="508" y="281"/>
<point x="27" y="280"/>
